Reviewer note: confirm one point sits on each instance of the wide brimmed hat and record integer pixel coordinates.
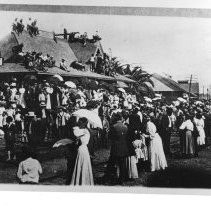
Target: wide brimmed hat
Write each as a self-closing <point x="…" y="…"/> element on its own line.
<point x="30" y="114"/>
<point x="13" y="84"/>
<point x="42" y="103"/>
<point x="61" y="107"/>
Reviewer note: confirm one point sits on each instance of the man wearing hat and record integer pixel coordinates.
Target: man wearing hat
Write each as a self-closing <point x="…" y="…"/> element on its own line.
<point x="10" y="130"/>
<point x="166" y="129"/>
<point x="61" y="122"/>
<point x="31" y="128"/>
<point x="119" y="148"/>
<point x="63" y="65"/>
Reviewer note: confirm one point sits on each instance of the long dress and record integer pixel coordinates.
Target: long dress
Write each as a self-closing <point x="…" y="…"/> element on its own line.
<point x="82" y="174"/>
<point x="156" y="153"/>
<point x="200" y="127"/>
<point x="188" y="144"/>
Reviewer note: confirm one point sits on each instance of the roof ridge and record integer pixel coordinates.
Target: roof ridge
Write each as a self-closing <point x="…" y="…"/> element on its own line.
<point x="166" y="81"/>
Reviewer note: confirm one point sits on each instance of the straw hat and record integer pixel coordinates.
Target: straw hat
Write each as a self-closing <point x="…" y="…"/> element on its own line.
<point x="30" y="114"/>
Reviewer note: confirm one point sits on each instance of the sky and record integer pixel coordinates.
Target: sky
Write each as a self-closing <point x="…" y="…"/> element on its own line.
<point x="177" y="46"/>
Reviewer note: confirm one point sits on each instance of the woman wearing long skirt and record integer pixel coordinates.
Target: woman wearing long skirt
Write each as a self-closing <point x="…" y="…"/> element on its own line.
<point x="82" y="174"/>
<point x="199" y="122"/>
<point x="156" y="153"/>
<point x="188" y="144"/>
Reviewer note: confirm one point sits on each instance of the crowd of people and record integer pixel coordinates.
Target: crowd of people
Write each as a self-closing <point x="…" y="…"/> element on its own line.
<point x="137" y="130"/>
<point x="37" y="61"/>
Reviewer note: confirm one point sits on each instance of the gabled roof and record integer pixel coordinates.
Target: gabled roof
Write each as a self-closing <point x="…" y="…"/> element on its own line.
<point x="61" y="49"/>
<point x="194" y="87"/>
<point x="163" y="84"/>
<point x="44" y="43"/>
<point x="84" y="53"/>
<point x="6" y="45"/>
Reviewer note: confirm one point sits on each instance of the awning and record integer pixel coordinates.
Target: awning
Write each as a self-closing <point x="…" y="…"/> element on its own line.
<point x="8" y="68"/>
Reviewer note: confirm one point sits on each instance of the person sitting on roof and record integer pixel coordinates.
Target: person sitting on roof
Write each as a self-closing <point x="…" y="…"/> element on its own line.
<point x="72" y="37"/>
<point x="20" y="27"/>
<point x="14" y="25"/>
<point x="84" y="38"/>
<point x="33" y="29"/>
<point x="77" y="65"/>
<point x="63" y="65"/>
<point x="96" y="37"/>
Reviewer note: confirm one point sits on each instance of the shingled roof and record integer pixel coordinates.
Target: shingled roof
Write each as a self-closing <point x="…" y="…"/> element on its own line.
<point x="84" y="53"/>
<point x="164" y="84"/>
<point x="194" y="87"/>
<point x="44" y="43"/>
<point x="61" y="49"/>
<point x="6" y="45"/>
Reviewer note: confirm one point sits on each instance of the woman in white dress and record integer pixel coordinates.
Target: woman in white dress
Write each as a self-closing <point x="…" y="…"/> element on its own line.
<point x="187" y="127"/>
<point x="82" y="174"/>
<point x="199" y="122"/>
<point x="156" y="153"/>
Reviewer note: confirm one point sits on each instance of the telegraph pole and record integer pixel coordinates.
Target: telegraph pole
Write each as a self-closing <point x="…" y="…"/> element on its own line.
<point x="191" y="77"/>
<point x="203" y="92"/>
<point x="207" y="94"/>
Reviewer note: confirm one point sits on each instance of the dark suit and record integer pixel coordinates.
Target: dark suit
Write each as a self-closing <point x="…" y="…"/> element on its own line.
<point x="119" y="149"/>
<point x="165" y="132"/>
<point x="10" y="137"/>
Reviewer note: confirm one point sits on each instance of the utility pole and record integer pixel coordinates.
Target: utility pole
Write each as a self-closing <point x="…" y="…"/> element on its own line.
<point x="203" y="92"/>
<point x="191" y="77"/>
<point x="207" y="94"/>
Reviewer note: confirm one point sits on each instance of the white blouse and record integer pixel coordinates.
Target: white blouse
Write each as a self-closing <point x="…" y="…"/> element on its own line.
<point x="82" y="134"/>
<point x="151" y="129"/>
<point x="187" y="125"/>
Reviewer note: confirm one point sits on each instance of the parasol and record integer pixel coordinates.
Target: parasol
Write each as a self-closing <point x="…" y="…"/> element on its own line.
<point x="58" y="77"/>
<point x="181" y="99"/>
<point x="55" y="79"/>
<point x="121" y="90"/>
<point x="70" y="84"/>
<point x="199" y="103"/>
<point x="121" y="84"/>
<point x="148" y="99"/>
<point x="91" y="116"/>
<point x="63" y="142"/>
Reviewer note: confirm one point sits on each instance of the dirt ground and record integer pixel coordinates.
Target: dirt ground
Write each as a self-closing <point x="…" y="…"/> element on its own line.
<point x="181" y="173"/>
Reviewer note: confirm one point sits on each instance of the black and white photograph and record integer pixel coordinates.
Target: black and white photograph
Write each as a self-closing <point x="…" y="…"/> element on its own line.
<point x="95" y="98"/>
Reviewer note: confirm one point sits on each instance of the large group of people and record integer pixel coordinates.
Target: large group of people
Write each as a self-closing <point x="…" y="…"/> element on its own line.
<point x="137" y="131"/>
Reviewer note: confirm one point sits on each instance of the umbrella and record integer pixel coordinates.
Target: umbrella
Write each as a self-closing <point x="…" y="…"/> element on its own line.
<point x="121" y="84"/>
<point x="148" y="99"/>
<point x="55" y="79"/>
<point x="63" y="142"/>
<point x="70" y="84"/>
<point x="199" y="103"/>
<point x="58" y="77"/>
<point x="91" y="116"/>
<point x="121" y="90"/>
<point x="181" y="99"/>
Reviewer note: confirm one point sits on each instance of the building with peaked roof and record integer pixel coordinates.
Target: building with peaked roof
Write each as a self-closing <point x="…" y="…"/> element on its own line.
<point x="166" y="86"/>
<point x="59" y="49"/>
<point x="194" y="87"/>
<point x="84" y="53"/>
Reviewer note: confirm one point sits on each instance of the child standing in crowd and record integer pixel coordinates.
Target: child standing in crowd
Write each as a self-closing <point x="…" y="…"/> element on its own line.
<point x="10" y="131"/>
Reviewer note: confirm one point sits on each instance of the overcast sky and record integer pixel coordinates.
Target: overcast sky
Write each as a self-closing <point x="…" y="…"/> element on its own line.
<point x="174" y="45"/>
